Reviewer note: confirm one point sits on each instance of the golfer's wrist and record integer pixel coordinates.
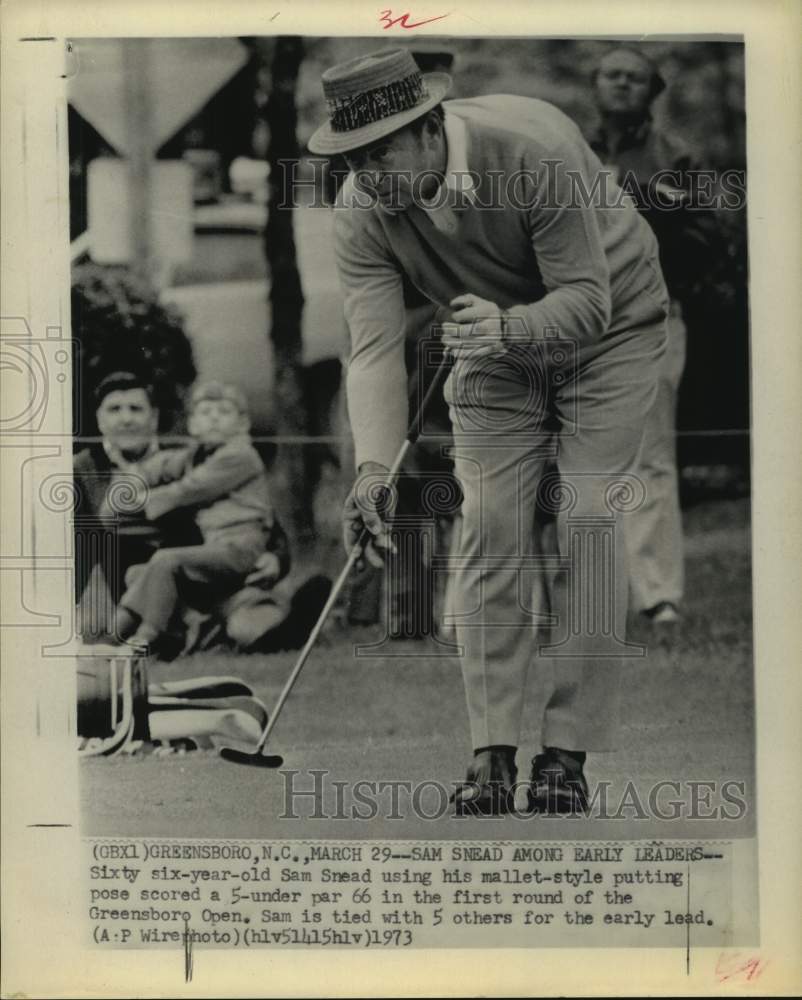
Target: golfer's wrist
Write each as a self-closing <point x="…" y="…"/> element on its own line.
<point x="372" y="493"/>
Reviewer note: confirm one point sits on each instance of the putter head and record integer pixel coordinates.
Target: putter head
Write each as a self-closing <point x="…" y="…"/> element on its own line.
<point x="251" y="759"/>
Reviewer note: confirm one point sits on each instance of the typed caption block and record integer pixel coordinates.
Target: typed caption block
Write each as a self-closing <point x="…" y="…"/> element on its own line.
<point x="253" y="894"/>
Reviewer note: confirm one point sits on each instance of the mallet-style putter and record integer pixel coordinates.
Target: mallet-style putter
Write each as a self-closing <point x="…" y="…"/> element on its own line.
<point x="256" y="757"/>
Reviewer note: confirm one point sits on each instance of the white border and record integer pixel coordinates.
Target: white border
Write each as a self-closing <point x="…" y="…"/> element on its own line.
<point x="40" y="917"/>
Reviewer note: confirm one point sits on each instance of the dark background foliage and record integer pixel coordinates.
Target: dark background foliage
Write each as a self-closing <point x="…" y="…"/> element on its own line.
<point x="120" y="325"/>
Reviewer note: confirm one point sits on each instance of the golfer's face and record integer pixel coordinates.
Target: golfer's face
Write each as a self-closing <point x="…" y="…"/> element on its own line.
<point x="391" y="170"/>
<point x="623" y="83"/>
<point x="127" y="420"/>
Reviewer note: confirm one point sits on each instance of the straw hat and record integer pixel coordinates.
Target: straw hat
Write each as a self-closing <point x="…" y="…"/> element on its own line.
<point x="371" y="96"/>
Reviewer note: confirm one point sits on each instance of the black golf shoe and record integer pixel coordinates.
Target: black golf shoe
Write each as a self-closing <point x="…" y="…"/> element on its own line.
<point x="488" y="789"/>
<point x="557" y="784"/>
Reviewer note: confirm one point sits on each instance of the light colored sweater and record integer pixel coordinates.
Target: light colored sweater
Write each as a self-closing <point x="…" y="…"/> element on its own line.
<point x="561" y="263"/>
<point x="228" y="487"/>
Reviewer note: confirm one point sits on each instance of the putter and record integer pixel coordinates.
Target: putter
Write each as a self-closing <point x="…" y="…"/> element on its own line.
<point x="257" y="758"/>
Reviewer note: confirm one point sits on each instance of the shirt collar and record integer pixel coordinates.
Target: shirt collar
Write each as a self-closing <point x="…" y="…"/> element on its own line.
<point x="457" y="178"/>
<point x="633" y="135"/>
<point x="116" y="457"/>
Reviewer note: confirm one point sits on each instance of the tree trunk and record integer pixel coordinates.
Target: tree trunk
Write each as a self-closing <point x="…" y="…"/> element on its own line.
<point x="286" y="294"/>
<point x="138" y="110"/>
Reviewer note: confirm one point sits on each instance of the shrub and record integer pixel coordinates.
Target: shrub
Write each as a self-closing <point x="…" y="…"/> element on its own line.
<point x="120" y="325"/>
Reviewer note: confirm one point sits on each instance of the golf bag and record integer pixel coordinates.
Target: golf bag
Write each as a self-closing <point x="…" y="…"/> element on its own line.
<point x="120" y="710"/>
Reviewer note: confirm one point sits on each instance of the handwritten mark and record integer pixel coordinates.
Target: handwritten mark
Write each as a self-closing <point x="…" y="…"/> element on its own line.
<point x="188" y="957"/>
<point x="688" y="926"/>
<point x="386" y="17"/>
<point x="273" y="18"/>
<point x="738" y="966"/>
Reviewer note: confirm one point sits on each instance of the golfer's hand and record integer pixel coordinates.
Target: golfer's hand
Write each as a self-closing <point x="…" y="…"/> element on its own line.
<point x="265" y="572"/>
<point x="478" y="332"/>
<point x="368" y="506"/>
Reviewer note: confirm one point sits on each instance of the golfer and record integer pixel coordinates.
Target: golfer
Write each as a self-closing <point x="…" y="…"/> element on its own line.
<point x="487" y="206"/>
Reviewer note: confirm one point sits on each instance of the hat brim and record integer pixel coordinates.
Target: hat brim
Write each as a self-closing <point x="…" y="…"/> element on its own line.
<point x="326" y="142"/>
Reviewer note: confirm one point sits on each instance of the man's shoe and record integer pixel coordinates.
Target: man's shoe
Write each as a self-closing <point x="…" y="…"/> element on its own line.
<point x="489" y="787"/>
<point x="557" y="784"/>
<point x="136" y="645"/>
<point x="664" y="619"/>
<point x="664" y="613"/>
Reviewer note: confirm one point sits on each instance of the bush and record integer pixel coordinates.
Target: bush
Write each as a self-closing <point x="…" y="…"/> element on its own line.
<point x="120" y="325"/>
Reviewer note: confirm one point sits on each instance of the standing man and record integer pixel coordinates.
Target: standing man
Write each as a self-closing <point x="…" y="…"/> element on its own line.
<point x="560" y="312"/>
<point x="653" y="167"/>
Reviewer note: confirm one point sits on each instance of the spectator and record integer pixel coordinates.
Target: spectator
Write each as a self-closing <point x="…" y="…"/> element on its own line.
<point x="263" y="615"/>
<point x="223" y="480"/>
<point x="127" y="421"/>
<point x="653" y="166"/>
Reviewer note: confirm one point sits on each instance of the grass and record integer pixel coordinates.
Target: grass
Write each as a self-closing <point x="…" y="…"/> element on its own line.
<point x="688" y="715"/>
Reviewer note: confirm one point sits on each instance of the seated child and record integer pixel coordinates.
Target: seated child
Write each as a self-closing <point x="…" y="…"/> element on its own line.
<point x="222" y="477"/>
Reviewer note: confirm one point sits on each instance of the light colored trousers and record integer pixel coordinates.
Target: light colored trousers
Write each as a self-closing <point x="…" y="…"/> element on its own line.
<point x="211" y="572"/>
<point x="653" y="532"/>
<point x="509" y="416"/>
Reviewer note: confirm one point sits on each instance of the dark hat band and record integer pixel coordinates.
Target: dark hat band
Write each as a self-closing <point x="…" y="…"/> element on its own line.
<point x="348" y="113"/>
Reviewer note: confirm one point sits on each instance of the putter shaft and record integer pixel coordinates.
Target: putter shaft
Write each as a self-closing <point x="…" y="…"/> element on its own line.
<point x="353" y="555"/>
<point x="413" y="433"/>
